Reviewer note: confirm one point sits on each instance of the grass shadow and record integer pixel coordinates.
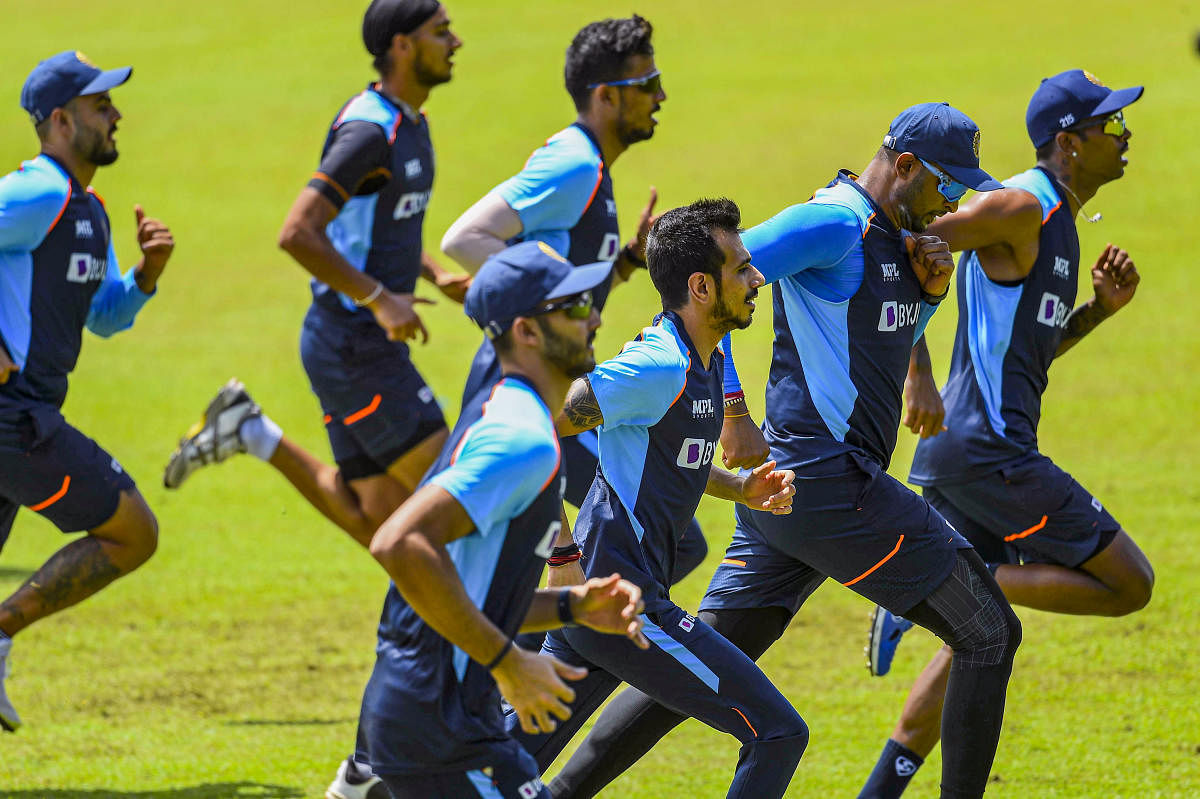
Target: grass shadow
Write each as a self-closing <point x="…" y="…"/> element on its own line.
<point x="14" y="572"/>
<point x="219" y="790"/>
<point x="284" y="723"/>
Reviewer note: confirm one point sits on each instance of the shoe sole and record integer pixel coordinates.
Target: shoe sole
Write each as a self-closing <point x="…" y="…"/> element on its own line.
<point x="9" y="725"/>
<point x="220" y="402"/>
<point x="877" y="621"/>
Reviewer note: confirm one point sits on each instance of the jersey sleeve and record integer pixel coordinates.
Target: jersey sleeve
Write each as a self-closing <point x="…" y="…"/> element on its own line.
<point x="117" y="302"/>
<point x="553" y="190"/>
<point x="638" y="386"/>
<point x="812" y="235"/>
<point x="732" y="383"/>
<point x="30" y="203"/>
<point x="359" y="150"/>
<point x="499" y="470"/>
<point x="923" y="316"/>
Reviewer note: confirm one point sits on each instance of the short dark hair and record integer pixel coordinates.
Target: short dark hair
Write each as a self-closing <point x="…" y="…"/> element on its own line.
<point x="682" y="243"/>
<point x="599" y="51"/>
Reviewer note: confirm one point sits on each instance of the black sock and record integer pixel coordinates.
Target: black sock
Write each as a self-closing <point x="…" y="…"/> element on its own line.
<point x="895" y="768"/>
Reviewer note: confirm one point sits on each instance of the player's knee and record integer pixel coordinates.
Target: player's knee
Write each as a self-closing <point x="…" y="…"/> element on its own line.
<point x="788" y="737"/>
<point x="1136" y="592"/>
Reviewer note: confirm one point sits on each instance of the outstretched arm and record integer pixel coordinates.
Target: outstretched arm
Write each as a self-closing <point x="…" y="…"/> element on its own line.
<point x="482" y="230"/>
<point x="581" y="411"/>
<point x="923" y="408"/>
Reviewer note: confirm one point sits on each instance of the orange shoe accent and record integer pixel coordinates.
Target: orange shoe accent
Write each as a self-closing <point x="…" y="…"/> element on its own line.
<point x="358" y="416"/>
<point x="748" y="724"/>
<point x="326" y="419"/>
<point x="733" y="562"/>
<point x="56" y="497"/>
<point x="886" y="558"/>
<point x="1027" y="533"/>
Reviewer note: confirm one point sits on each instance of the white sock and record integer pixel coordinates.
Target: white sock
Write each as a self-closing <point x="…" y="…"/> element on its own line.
<point x="261" y="436"/>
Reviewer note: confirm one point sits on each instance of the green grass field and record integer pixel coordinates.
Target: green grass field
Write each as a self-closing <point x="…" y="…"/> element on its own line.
<point x="232" y="664"/>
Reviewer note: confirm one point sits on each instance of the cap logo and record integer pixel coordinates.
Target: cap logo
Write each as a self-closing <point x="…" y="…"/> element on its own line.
<point x="548" y="250"/>
<point x="84" y="59"/>
<point x="1093" y="79"/>
<point x="975" y="145"/>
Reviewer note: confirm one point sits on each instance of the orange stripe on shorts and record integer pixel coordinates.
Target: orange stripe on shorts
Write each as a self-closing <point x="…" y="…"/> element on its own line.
<point x="365" y="412"/>
<point x="886" y="558"/>
<point x="1029" y="532"/>
<point x="62" y="492"/>
<point x="748" y="724"/>
<point x="733" y="562"/>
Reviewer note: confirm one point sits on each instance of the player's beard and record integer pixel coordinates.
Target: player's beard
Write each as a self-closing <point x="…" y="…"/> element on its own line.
<point x="629" y="133"/>
<point x="725" y="318"/>
<point x="573" y="358"/>
<point x="908" y="218"/>
<point x="94" y="146"/>
<point x="429" y="76"/>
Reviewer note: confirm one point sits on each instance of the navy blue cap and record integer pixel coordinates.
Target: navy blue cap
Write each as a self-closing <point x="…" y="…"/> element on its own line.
<point x="939" y="132"/>
<point x="1069" y="98"/>
<point x="516" y="281"/>
<point x="61" y="78"/>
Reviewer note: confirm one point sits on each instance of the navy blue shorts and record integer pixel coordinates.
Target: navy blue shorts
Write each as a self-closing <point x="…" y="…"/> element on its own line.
<point x="50" y="467"/>
<point x="689" y="667"/>
<point x="853" y="522"/>
<point x="377" y="406"/>
<point x="514" y="775"/>
<point x="1028" y="512"/>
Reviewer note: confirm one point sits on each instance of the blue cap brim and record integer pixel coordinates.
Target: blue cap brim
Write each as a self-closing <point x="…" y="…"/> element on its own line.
<point x="581" y="278"/>
<point x="108" y="79"/>
<point x="1118" y="100"/>
<point x="972" y="177"/>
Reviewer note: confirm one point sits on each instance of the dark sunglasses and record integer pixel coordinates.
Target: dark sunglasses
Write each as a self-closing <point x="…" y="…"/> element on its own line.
<point x="576" y="307"/>
<point x="650" y="83"/>
<point x="1114" y="125"/>
<point x="947" y="186"/>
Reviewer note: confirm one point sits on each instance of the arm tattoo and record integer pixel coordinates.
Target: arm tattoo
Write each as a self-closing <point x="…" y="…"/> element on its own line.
<point x="582" y="408"/>
<point x="1083" y="320"/>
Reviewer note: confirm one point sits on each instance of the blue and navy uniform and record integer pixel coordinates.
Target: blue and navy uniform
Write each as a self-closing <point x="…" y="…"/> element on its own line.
<point x="58" y="274"/>
<point x="985" y="473"/>
<point x="661" y="403"/>
<point x="564" y="197"/>
<point x="377" y="169"/>
<point x="429" y="710"/>
<point x="848" y="308"/>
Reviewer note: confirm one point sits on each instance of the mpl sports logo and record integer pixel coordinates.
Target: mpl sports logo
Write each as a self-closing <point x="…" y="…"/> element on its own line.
<point x="411" y="204"/>
<point x="83" y="267"/>
<point x="702" y="409"/>
<point x="891" y="272"/>
<point x="611" y="206"/>
<point x="1062" y="268"/>
<point x="83" y="228"/>
<point x="695" y="452"/>
<point x="895" y="315"/>
<point x="1052" y="311"/>
<point x="412" y="168"/>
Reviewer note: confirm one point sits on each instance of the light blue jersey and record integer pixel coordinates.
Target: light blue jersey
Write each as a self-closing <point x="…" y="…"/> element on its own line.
<point x="58" y="274"/>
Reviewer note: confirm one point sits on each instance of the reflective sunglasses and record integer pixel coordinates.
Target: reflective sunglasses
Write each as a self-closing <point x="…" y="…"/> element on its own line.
<point x="947" y="186"/>
<point x="650" y="83"/>
<point x="576" y="307"/>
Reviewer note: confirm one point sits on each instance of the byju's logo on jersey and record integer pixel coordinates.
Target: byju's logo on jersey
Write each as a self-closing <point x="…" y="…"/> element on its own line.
<point x="891" y="272"/>
<point x="1062" y="268"/>
<point x="1052" y="311"/>
<point x="411" y="204"/>
<point x="687" y="623"/>
<point x="83" y="228"/>
<point x="412" y="168"/>
<point x="531" y="789"/>
<point x="83" y="267"/>
<point x="695" y="452"/>
<point x="895" y="315"/>
<point x="702" y="409"/>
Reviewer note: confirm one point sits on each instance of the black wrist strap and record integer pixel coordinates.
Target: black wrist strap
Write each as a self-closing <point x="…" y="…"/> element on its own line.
<point x="632" y="257"/>
<point x="500" y="655"/>
<point x="934" y="299"/>
<point x="564" y="608"/>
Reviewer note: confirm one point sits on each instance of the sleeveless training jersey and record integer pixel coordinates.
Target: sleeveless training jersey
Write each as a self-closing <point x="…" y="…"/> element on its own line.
<point x="848" y="309"/>
<point x="662" y="420"/>
<point x="58" y="274"/>
<point x="1005" y="342"/>
<point x="387" y="156"/>
<point x="429" y="706"/>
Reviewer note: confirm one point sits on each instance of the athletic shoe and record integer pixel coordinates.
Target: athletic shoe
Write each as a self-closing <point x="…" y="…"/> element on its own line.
<point x="9" y="719"/>
<point x="215" y="437"/>
<point x="886" y="630"/>
<point x="355" y="781"/>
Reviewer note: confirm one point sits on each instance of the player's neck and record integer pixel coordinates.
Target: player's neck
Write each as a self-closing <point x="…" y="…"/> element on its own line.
<point x="80" y="168"/>
<point x="1079" y="189"/>
<point x="700" y="330"/>
<point x="606" y="136"/>
<point x="875" y="180"/>
<point x="550" y="382"/>
<point x="406" y="89"/>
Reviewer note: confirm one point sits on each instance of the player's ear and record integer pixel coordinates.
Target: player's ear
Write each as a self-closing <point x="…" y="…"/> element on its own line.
<point x="701" y="288"/>
<point x="526" y="333"/>
<point x="906" y="165"/>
